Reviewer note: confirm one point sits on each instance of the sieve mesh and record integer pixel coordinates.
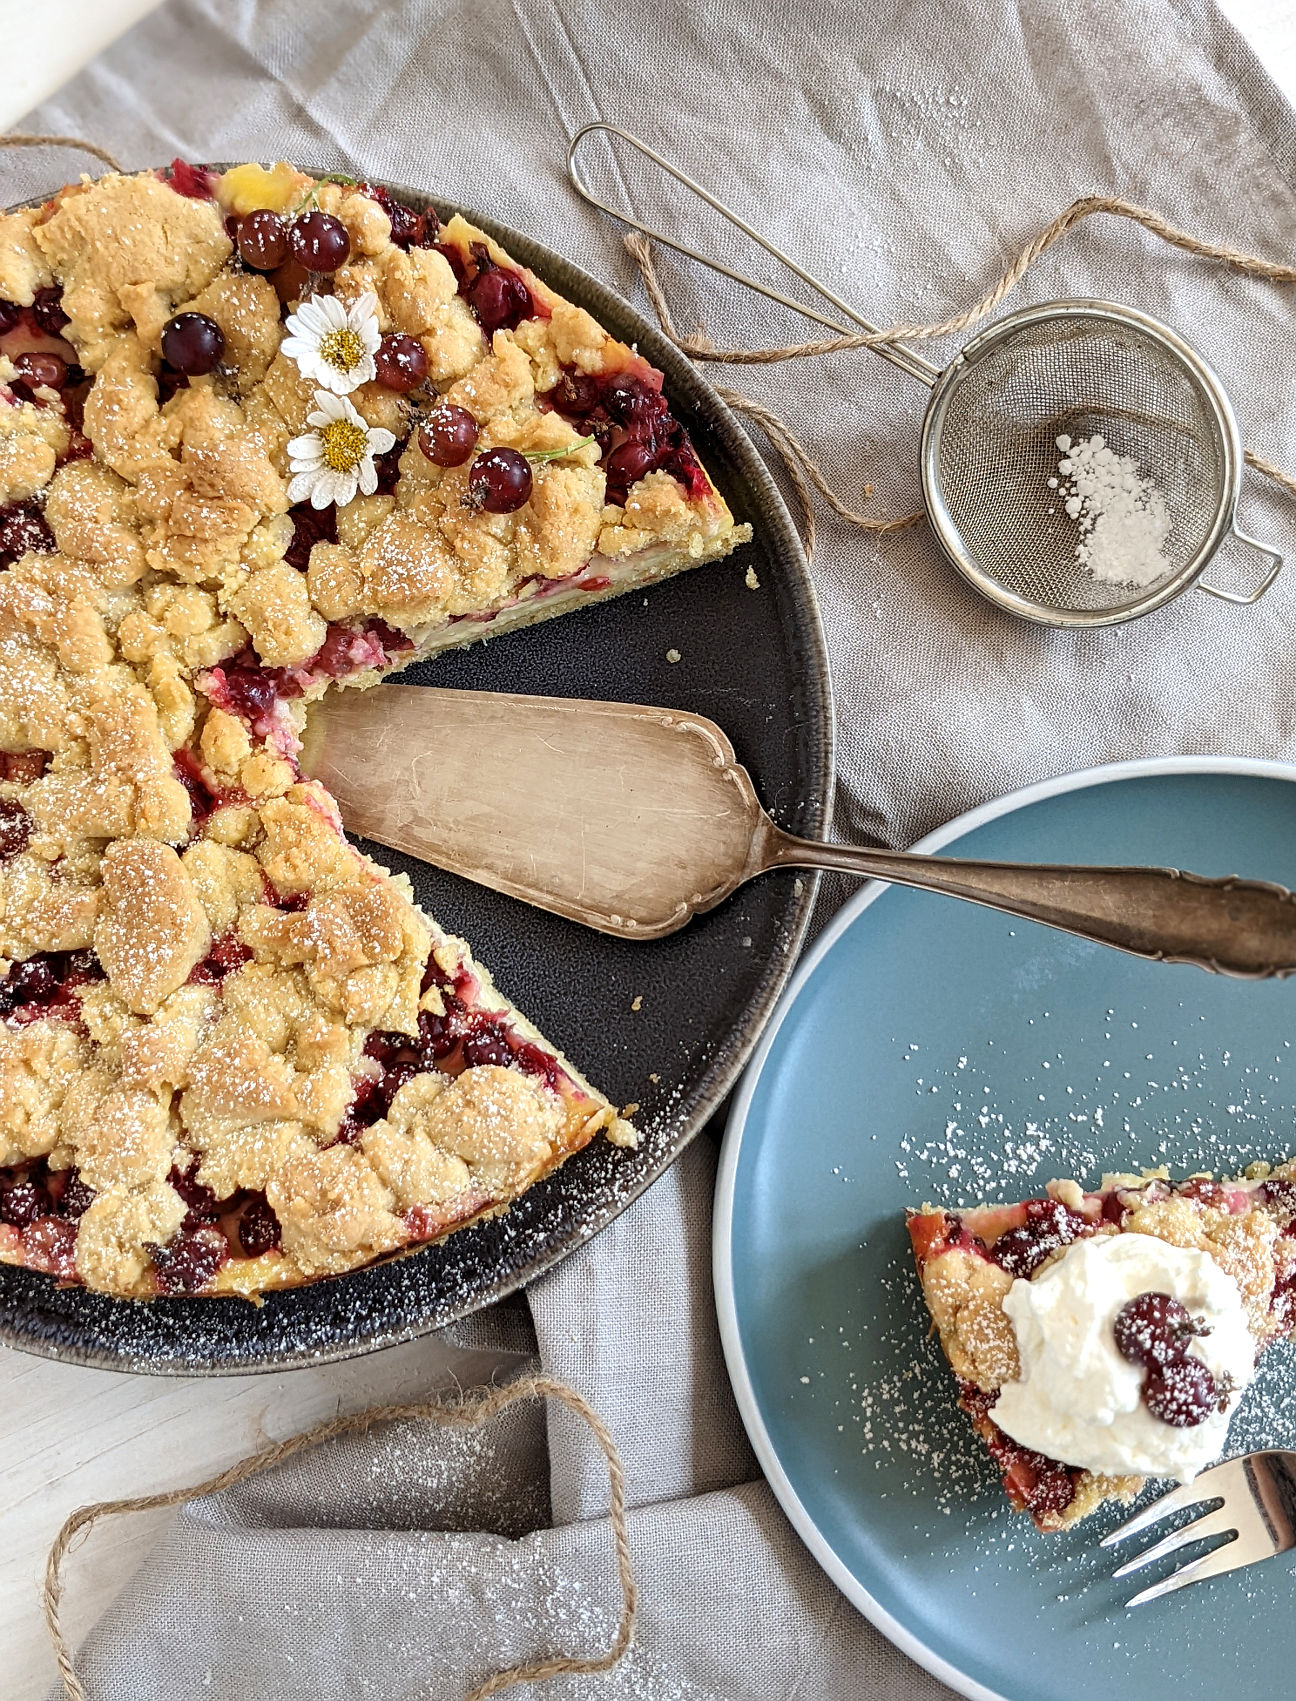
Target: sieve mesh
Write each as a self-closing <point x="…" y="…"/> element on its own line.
<point x="995" y="449"/>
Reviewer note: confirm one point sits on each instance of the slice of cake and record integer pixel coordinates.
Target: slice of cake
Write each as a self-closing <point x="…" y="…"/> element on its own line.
<point x="1102" y="1338"/>
<point x="262" y="432"/>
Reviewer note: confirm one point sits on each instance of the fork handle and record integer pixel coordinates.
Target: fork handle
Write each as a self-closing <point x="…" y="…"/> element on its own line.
<point x="1229" y="926"/>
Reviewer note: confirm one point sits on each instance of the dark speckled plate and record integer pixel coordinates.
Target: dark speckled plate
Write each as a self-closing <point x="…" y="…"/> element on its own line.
<point x="753" y="661"/>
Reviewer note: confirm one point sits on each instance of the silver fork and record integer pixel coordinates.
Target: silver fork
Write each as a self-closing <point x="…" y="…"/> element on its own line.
<point x="1251" y="1500"/>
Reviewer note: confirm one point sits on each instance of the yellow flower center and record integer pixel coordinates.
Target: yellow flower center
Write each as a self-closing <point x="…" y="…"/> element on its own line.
<point x="345" y="445"/>
<point x="343" y="348"/>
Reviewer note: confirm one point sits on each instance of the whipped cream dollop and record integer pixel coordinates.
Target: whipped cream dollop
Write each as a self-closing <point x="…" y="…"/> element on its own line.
<point x="1078" y="1400"/>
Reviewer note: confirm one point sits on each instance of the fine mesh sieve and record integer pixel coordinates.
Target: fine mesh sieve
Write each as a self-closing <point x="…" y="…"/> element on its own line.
<point x="1074" y="370"/>
<point x="1077" y="370"/>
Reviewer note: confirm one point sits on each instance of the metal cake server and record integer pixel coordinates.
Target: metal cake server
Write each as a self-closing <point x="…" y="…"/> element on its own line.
<point x="633" y="819"/>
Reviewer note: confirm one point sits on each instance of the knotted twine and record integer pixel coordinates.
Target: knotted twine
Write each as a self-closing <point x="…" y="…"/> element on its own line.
<point x="804" y="472"/>
<point x="468" y="1412"/>
<point x="806" y="476"/>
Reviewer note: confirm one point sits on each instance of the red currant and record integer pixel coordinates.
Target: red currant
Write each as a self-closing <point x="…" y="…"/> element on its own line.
<point x="448" y="436"/>
<point x="500" y="481"/>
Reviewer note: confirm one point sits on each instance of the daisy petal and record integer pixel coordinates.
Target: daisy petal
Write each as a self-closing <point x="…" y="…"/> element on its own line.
<point x="301" y="487"/>
<point x="305" y="446"/>
<point x="380" y="440"/>
<point x="368" y="475"/>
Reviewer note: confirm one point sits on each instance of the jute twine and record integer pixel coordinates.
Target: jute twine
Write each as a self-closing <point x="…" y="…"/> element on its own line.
<point x="803" y="470"/>
<point x="468" y="1412"/>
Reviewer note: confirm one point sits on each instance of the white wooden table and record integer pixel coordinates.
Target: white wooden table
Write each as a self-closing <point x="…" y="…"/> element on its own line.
<point x="69" y="1436"/>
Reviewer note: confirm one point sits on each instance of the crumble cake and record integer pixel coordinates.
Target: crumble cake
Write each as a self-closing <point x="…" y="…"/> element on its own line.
<point x="260" y="434"/>
<point x="1132" y="1365"/>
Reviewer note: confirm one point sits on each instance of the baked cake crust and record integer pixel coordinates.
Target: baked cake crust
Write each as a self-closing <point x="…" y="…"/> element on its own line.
<point x="968" y="1260"/>
<point x="234" y="1055"/>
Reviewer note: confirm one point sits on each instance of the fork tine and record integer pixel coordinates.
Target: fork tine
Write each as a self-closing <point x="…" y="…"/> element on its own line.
<point x="1187" y="1494"/>
<point x="1212" y="1564"/>
<point x="1222" y="1522"/>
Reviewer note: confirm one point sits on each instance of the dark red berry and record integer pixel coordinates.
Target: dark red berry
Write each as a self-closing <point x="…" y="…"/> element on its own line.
<point x="319" y="242"/>
<point x="41" y="371"/>
<point x="47" y="311"/>
<point x="22" y="1202"/>
<point x="203" y="1205"/>
<point x="30" y="982"/>
<point x="632" y="402"/>
<point x="15" y="828"/>
<point x="10" y="314"/>
<point x="252" y="692"/>
<point x="499" y="298"/>
<point x="192" y="343"/>
<point x="401" y="362"/>
<point x="310" y="526"/>
<point x="627" y="465"/>
<point x="263" y="240"/>
<point x="1183" y="1393"/>
<point x="500" y="481"/>
<point x="408" y="228"/>
<point x="22" y="529"/>
<point x="291" y="280"/>
<point x="189" y="1262"/>
<point x="258" y="1227"/>
<point x="1048" y="1226"/>
<point x="488" y="1044"/>
<point x="448" y="436"/>
<point x="455" y="260"/>
<point x="1154" y="1330"/>
<point x="76" y="1197"/>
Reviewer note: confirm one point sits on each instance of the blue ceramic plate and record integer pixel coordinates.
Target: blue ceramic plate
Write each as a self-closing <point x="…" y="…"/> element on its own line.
<point x="930" y="1050"/>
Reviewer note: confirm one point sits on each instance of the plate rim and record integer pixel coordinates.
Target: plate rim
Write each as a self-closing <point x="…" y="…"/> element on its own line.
<point x="724" y="1068"/>
<point x="1079" y="779"/>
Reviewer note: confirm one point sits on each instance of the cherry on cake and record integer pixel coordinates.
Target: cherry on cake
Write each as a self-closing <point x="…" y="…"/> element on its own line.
<point x="263" y="434"/>
<point x="1102" y="1338"/>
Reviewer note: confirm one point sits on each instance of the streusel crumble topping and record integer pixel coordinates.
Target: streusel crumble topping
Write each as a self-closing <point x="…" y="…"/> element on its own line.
<point x="233" y="1053"/>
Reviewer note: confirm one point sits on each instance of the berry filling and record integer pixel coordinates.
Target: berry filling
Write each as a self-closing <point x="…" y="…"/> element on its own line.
<point x="498" y="295"/>
<point x="1049" y="1226"/>
<point x="408" y="228"/>
<point x="189" y="1260"/>
<point x="227" y="954"/>
<point x="631" y="419"/>
<point x="462" y="1037"/>
<point x="1033" y="1482"/>
<point x="46" y="985"/>
<point x="256" y="694"/>
<point x="195" y="182"/>
<point x="22" y="530"/>
<point x="23" y="767"/>
<point x="205" y="797"/>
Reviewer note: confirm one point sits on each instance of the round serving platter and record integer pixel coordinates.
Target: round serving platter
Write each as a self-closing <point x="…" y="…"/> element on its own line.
<point x="667" y="1025"/>
<point x="934" y="1051"/>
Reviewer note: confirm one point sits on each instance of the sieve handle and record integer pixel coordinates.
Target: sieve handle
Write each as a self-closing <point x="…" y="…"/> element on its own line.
<point x="1246" y="599"/>
<point x="908" y="362"/>
<point x="1229" y="926"/>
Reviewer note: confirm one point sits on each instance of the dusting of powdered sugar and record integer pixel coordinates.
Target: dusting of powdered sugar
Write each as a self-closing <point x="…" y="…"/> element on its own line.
<point x="1123" y="518"/>
<point x="874" y="1375"/>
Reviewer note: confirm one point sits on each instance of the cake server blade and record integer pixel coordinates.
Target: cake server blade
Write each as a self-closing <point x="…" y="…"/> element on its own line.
<point x="631" y="819"/>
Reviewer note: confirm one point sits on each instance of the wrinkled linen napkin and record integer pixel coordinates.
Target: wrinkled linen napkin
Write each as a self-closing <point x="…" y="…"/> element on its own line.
<point x="905" y="151"/>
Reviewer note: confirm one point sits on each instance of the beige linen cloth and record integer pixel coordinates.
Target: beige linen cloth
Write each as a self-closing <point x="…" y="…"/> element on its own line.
<point x="904" y="150"/>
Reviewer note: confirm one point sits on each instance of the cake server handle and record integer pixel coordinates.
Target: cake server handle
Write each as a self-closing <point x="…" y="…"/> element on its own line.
<point x="913" y="364"/>
<point x="1229" y="926"/>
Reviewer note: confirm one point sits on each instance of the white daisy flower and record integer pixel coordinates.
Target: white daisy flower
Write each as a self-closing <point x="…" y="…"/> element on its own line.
<point x="334" y="345"/>
<point x="336" y="459"/>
